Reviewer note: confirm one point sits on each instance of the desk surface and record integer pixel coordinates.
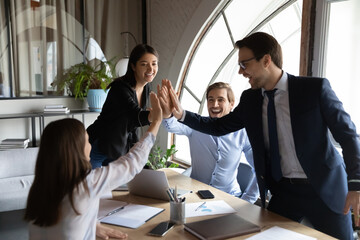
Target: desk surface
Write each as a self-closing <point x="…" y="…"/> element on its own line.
<point x="265" y="219"/>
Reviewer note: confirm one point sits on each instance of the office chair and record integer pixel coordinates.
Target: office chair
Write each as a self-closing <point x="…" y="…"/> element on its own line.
<point x="187" y="172"/>
<point x="244" y="176"/>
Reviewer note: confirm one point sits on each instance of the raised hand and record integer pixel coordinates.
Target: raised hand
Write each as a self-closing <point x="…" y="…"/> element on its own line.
<point x="155" y="110"/>
<point x="177" y="109"/>
<point x="165" y="100"/>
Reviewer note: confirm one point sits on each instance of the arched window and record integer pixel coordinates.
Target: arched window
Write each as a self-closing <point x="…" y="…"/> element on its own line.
<point x="337" y="51"/>
<point x="214" y="58"/>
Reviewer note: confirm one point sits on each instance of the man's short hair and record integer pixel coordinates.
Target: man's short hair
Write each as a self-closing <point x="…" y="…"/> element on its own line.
<point x="221" y="85"/>
<point x="260" y="44"/>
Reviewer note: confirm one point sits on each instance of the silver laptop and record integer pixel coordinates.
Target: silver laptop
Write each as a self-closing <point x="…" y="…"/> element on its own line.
<point x="152" y="184"/>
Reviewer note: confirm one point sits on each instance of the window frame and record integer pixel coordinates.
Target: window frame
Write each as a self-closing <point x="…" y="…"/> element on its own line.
<point x="182" y="81"/>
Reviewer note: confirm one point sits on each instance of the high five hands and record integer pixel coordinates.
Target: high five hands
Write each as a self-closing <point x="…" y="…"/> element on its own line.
<point x="168" y="100"/>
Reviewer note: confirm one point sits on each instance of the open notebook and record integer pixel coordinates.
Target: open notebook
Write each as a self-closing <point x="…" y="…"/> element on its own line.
<point x="125" y="214"/>
<point x="152" y="184"/>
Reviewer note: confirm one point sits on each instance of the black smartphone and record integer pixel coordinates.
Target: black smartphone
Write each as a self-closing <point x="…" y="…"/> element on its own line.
<point x="161" y="229"/>
<point x="205" y="194"/>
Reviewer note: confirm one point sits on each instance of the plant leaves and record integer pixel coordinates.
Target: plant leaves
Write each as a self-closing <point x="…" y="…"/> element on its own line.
<point x="157" y="159"/>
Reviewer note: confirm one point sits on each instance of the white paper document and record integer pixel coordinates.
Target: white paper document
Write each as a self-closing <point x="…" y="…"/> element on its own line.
<point x="278" y="233"/>
<point x="125" y="214"/>
<point x="120" y="221"/>
<point x="207" y="208"/>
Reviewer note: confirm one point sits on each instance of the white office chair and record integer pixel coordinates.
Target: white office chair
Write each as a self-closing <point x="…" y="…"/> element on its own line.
<point x="187" y="172"/>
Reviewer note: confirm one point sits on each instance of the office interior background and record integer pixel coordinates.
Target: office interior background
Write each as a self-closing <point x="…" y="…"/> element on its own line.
<point x="195" y="40"/>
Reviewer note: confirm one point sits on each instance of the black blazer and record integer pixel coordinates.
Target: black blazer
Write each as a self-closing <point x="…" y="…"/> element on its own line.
<point x="314" y="109"/>
<point x="116" y="126"/>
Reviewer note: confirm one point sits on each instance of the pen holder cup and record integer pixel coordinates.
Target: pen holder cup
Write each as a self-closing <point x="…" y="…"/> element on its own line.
<point x="177" y="212"/>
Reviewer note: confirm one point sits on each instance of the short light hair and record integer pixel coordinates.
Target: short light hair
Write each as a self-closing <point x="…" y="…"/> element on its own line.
<point x="221" y="85"/>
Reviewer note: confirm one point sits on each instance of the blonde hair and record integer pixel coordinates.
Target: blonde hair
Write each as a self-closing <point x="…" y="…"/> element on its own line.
<point x="221" y="85"/>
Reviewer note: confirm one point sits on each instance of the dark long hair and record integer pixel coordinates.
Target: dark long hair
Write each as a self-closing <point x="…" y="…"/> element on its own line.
<point x="137" y="52"/>
<point x="129" y="77"/>
<point x="61" y="166"/>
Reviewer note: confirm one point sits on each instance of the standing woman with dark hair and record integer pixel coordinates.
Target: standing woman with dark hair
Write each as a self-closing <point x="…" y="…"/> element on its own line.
<point x="114" y="132"/>
<point x="63" y="201"/>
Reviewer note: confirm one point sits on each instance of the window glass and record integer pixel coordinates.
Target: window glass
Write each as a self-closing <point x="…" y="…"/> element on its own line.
<point x="244" y="15"/>
<point x="182" y="142"/>
<point x="51" y="64"/>
<point x="38" y="40"/>
<point x="288" y="37"/>
<point x="30" y="36"/>
<point x="189" y="102"/>
<point x="290" y="16"/>
<point x="4" y="53"/>
<point x="214" y="48"/>
<point x="182" y="145"/>
<point x="343" y="55"/>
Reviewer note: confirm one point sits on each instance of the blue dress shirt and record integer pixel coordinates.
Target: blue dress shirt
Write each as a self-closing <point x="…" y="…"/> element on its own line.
<point x="215" y="160"/>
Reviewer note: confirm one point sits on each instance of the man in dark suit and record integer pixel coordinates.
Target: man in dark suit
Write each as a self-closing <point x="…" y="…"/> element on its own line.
<point x="288" y="119"/>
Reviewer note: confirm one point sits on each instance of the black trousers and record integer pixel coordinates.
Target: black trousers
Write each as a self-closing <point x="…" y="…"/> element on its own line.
<point x="299" y="200"/>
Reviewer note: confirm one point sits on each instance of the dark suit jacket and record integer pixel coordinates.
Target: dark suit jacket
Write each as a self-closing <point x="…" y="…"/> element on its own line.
<point x="314" y="109"/>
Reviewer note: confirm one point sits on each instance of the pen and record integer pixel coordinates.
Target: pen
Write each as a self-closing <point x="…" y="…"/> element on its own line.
<point x="200" y="206"/>
<point x="168" y="191"/>
<point x="114" y="211"/>
<point x="175" y="194"/>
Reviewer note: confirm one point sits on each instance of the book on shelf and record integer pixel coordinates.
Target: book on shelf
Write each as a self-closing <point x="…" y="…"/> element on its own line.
<point x="13" y="146"/>
<point x="54" y="106"/>
<point x="57" y="110"/>
<point x="15" y="141"/>
<point x="223" y="227"/>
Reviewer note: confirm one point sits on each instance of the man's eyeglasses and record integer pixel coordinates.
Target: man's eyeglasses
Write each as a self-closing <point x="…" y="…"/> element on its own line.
<point x="242" y="63"/>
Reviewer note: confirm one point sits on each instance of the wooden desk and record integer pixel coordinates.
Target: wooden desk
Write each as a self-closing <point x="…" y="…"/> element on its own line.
<point x="265" y="219"/>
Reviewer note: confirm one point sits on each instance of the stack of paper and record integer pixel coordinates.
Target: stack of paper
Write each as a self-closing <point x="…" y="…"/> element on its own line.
<point x="278" y="233"/>
<point x="56" y="109"/>
<point x="14" y="143"/>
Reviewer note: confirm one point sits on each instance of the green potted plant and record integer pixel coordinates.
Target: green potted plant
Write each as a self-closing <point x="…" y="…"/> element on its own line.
<point x="81" y="79"/>
<point x="157" y="159"/>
